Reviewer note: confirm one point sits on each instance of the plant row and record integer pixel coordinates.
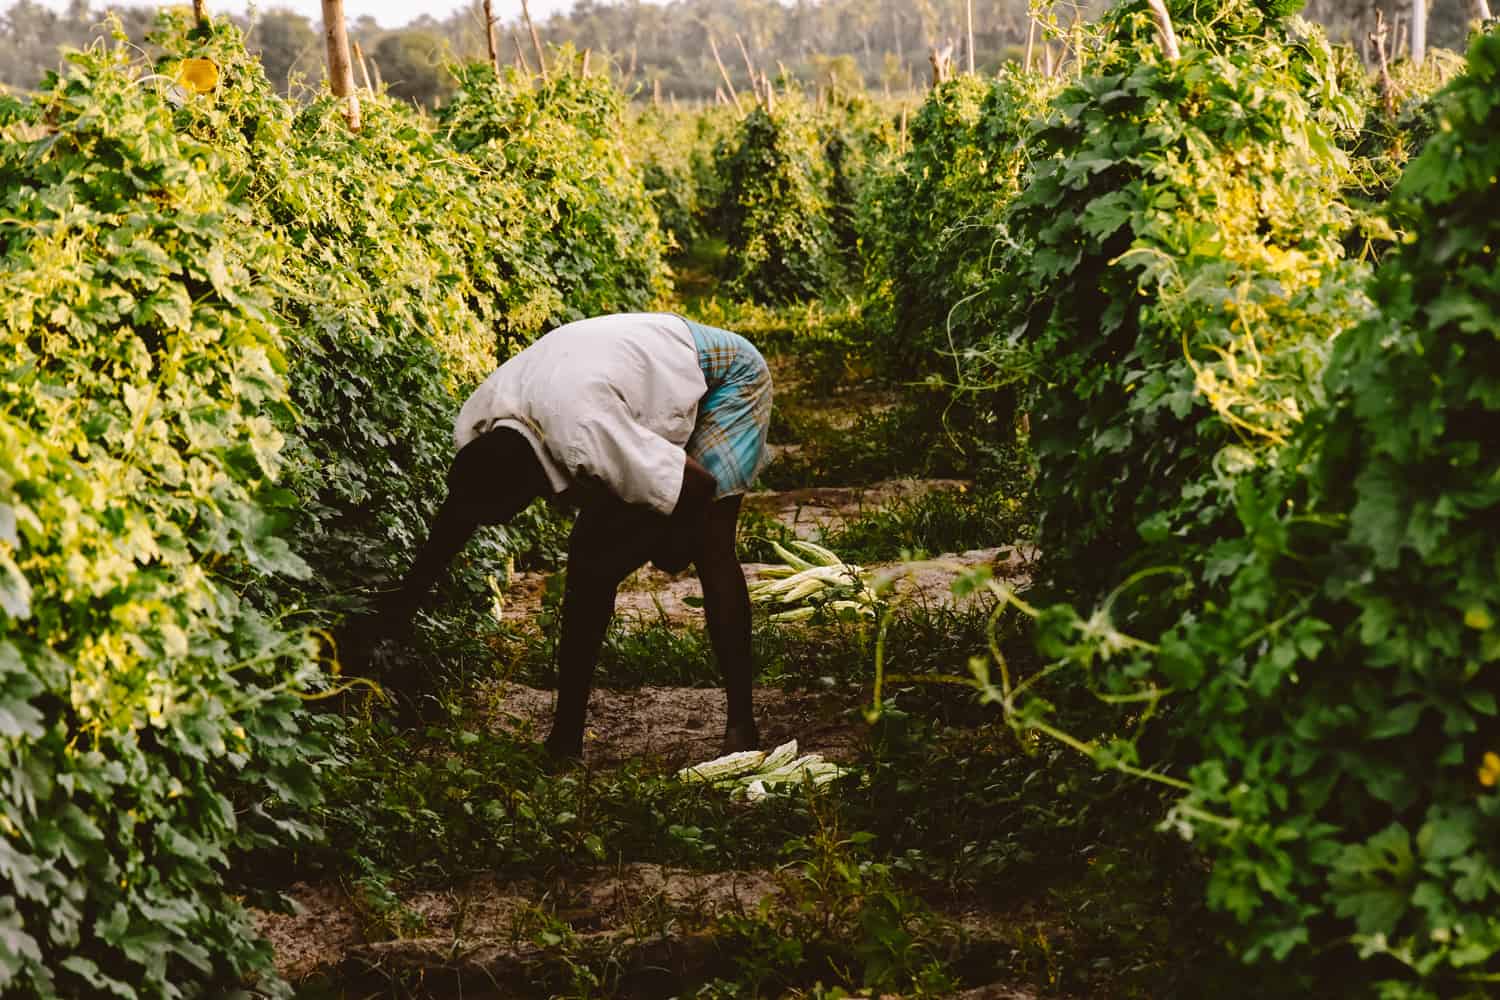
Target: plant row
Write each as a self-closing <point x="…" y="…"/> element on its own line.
<point x="234" y="336"/>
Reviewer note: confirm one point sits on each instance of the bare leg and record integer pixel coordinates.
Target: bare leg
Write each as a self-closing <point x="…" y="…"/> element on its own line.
<point x="608" y="543"/>
<point x="726" y="604"/>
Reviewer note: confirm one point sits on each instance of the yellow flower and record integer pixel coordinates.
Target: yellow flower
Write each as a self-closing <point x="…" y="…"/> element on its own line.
<point x="1489" y="770"/>
<point x="198" y="76"/>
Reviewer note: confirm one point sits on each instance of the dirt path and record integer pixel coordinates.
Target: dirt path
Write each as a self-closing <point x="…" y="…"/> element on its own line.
<point x="487" y="938"/>
<point x="811" y="510"/>
<point x="651" y="596"/>
<point x="485" y="921"/>
<point x="677" y="726"/>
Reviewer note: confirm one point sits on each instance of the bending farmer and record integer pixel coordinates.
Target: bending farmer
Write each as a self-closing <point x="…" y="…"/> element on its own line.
<point x="653" y="427"/>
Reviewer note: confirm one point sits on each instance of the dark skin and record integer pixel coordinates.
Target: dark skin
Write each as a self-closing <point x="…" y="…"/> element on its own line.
<point x="611" y="540"/>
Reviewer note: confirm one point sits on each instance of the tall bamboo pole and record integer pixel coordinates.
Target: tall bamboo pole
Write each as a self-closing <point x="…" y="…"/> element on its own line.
<point x="1480" y="10"/>
<point x="489" y="35"/>
<point x="750" y="69"/>
<point x="364" y="71"/>
<point x="520" y="53"/>
<point x="340" y="70"/>
<point x="200" y="12"/>
<point x="1418" y="31"/>
<point x="724" y="73"/>
<point x="1167" y="36"/>
<point x="1030" y="40"/>
<point x="969" y="14"/>
<point x="536" y="40"/>
<point x="1387" y="89"/>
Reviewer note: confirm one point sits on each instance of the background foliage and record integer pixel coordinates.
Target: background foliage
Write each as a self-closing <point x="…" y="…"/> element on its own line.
<point x="878" y="45"/>
<point x="773" y="207"/>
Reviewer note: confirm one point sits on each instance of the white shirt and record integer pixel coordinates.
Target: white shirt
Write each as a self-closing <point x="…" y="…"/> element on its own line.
<point x="610" y="400"/>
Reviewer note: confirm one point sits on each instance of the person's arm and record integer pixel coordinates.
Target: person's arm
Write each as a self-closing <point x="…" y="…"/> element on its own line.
<point x="455" y="524"/>
<point x="491" y="480"/>
<point x="698" y="489"/>
<point x="688" y="520"/>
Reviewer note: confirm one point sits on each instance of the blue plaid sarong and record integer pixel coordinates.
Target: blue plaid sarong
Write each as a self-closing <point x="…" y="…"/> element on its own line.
<point x="729" y="439"/>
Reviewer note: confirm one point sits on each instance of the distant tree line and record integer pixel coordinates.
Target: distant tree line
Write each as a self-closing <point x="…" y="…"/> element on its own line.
<point x="664" y="47"/>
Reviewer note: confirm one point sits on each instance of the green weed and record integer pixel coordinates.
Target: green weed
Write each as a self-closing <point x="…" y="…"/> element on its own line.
<point x="933" y="523"/>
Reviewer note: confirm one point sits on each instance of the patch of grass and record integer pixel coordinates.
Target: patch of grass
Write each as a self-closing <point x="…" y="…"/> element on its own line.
<point x="696" y="270"/>
<point x="932" y="524"/>
<point x="840" y="919"/>
<point x="641" y="652"/>
<point x="921" y="436"/>
<point x="756" y="531"/>
<point x="453" y="798"/>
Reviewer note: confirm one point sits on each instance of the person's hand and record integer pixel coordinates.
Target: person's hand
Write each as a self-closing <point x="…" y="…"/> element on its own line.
<point x="389" y="618"/>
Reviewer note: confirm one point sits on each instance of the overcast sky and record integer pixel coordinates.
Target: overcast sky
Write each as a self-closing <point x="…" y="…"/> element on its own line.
<point x="390" y="13"/>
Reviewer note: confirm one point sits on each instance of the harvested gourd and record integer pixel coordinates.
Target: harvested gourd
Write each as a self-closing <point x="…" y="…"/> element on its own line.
<point x="812" y="577"/>
<point x="754" y="775"/>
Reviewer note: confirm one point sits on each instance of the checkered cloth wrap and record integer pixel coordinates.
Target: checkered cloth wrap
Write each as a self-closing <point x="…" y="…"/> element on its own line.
<point x="729" y="438"/>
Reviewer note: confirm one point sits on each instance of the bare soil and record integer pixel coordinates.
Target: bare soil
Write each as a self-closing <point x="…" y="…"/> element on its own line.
<point x="651" y="596"/>
<point x="488" y="930"/>
<point x="809" y="510"/>
<point x="488" y="938"/>
<point x="676" y="727"/>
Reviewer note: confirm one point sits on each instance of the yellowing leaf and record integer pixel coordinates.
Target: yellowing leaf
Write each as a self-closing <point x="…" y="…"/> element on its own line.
<point x="198" y="76"/>
<point x="1489" y="770"/>
<point x="1478" y="618"/>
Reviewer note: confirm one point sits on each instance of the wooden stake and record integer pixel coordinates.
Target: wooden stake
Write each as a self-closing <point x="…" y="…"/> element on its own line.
<point x="969" y="14"/>
<point x="1164" y="32"/>
<point x="942" y="63"/>
<point x="1048" y="66"/>
<point x="536" y="41"/>
<point x="656" y="92"/>
<point x="1481" y="10"/>
<point x="1030" y="39"/>
<point x="901" y="141"/>
<point x="1418" y="31"/>
<point x="340" y="71"/>
<point x="364" y="71"/>
<point x="750" y="69"/>
<point x="375" y="72"/>
<point x="520" y="53"/>
<point x="489" y="35"/>
<point x="719" y="97"/>
<point x="723" y="73"/>
<point x="1074" y="45"/>
<point x="200" y="12"/>
<point x="1387" y="89"/>
<point x="584" y="69"/>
